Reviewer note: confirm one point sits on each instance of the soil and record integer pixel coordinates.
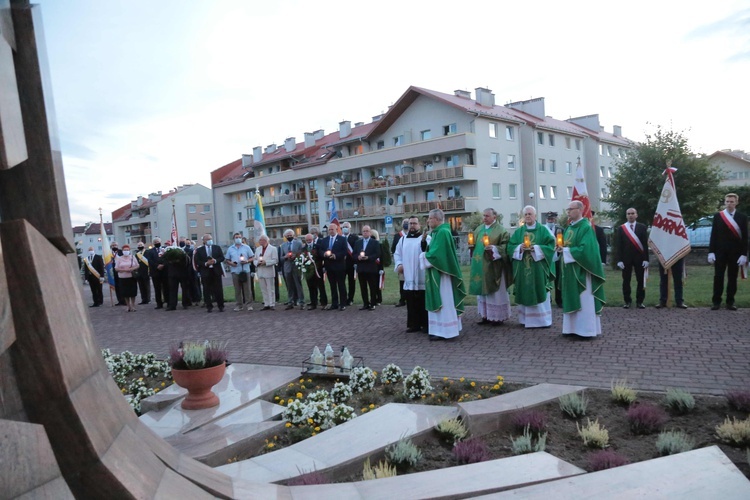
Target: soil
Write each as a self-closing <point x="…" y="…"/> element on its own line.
<point x="563" y="440"/>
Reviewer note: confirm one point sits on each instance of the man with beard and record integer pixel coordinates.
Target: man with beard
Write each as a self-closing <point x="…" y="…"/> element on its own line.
<point x="490" y="277"/>
<point x="406" y="259"/>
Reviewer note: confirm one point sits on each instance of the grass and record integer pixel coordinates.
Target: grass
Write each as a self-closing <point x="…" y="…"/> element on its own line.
<point x="697" y="289"/>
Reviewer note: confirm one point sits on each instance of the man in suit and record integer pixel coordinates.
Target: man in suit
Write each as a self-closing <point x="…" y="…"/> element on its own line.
<point x="208" y="259"/>
<point x="727" y="249"/>
<point x="601" y="239"/>
<point x="93" y="271"/>
<point x="116" y="252"/>
<point x="396" y="238"/>
<point x="367" y="253"/>
<point x="351" y="239"/>
<point x="266" y="258"/>
<point x="290" y="250"/>
<point x="551" y="224"/>
<point x="177" y="275"/>
<point x="315" y="283"/>
<point x="335" y="254"/>
<point x="144" y="280"/>
<point x="632" y="252"/>
<point x="157" y="268"/>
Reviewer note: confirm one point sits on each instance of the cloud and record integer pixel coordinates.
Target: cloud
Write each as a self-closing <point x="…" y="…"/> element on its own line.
<point x="735" y="26"/>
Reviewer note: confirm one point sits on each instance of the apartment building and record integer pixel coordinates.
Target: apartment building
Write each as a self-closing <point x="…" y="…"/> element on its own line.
<point x="149" y="216"/>
<point x="429" y="150"/>
<point x="735" y="165"/>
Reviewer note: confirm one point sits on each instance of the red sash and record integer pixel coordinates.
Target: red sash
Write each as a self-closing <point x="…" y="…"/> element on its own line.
<point x="731" y="224"/>
<point x="632" y="237"/>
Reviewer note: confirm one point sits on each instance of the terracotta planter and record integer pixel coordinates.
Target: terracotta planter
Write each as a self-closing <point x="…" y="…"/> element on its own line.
<point x="198" y="384"/>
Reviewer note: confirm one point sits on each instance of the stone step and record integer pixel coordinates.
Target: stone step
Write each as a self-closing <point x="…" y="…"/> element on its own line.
<point x="702" y="473"/>
<point x="484" y="416"/>
<point x="344" y="447"/>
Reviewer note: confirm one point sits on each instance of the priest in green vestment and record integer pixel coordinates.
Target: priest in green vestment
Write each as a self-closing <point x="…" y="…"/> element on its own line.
<point x="490" y="270"/>
<point x="444" y="284"/>
<point x="532" y="250"/>
<point x="582" y="276"/>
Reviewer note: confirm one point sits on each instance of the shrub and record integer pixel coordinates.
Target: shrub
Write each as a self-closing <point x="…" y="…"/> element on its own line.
<point x="525" y="443"/>
<point x="417" y="383"/>
<point x="361" y="379"/>
<point x="319" y="413"/>
<point x="680" y="401"/>
<point x="340" y="393"/>
<point x="381" y="470"/>
<point x="606" y="459"/>
<point x="593" y="434"/>
<point x="370" y="398"/>
<point x="452" y="430"/>
<point x="574" y="404"/>
<point x="471" y="451"/>
<point x="535" y="420"/>
<point x="739" y="400"/>
<point x="391" y="374"/>
<point x="294" y="413"/>
<point x="646" y="418"/>
<point x="622" y="393"/>
<point x="735" y="432"/>
<point x="673" y="442"/>
<point x="403" y="454"/>
<point x="342" y="413"/>
<point x="312" y="477"/>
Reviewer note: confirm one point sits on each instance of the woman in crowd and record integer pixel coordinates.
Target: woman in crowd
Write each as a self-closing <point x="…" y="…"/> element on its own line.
<point x="125" y="264"/>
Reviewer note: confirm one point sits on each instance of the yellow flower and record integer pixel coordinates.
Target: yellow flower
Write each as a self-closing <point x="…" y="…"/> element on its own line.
<point x="496" y="387"/>
<point x="445" y="378"/>
<point x="364" y="410"/>
<point x="271" y="445"/>
<point x="317" y="429"/>
<point x="460" y="400"/>
<point x="387" y="382"/>
<point x="309" y="380"/>
<point x="309" y="421"/>
<point x="299" y="395"/>
<point x="302" y="387"/>
<point x="288" y="425"/>
<point x="156" y="390"/>
<point x="372" y="405"/>
<point x="276" y="398"/>
<point x="301" y="381"/>
<point x="375" y="373"/>
<point x="499" y="377"/>
<point x="140" y="378"/>
<point x="122" y="390"/>
<point x="479" y="396"/>
<point x="163" y="384"/>
<point x="473" y="384"/>
<point x="276" y="438"/>
<point x="461" y="379"/>
<point x="313" y="433"/>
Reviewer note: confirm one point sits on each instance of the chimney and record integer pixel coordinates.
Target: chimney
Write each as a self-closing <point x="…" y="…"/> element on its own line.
<point x="309" y="139"/>
<point x="485" y="97"/>
<point x="377" y="118"/>
<point x="257" y="154"/>
<point x="359" y="124"/>
<point x="319" y="134"/>
<point x="617" y="130"/>
<point x="345" y="129"/>
<point x="534" y="107"/>
<point x="247" y="160"/>
<point x="271" y="148"/>
<point x="290" y="144"/>
<point x="462" y="93"/>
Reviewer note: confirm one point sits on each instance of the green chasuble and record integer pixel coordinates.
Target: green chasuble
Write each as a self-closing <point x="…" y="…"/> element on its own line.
<point x="531" y="279"/>
<point x="584" y="248"/>
<point x="485" y="272"/>
<point x="442" y="255"/>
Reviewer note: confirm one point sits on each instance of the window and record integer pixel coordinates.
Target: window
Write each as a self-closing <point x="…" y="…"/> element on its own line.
<point x="454" y="192"/>
<point x="381" y="144"/>
<point x="207" y="222"/>
<point x="425" y="134"/>
<point x="494" y="159"/>
<point x="493" y="130"/>
<point x="496" y="191"/>
<point x="398" y="140"/>
<point x="429" y="194"/>
<point x="568" y="167"/>
<point x="569" y="192"/>
<point x="191" y="209"/>
<point x="451" y="161"/>
<point x="540" y="138"/>
<point x="239" y="216"/>
<point x="567" y="143"/>
<point x="509" y="132"/>
<point x="609" y="172"/>
<point x="514" y="219"/>
<point x="601" y="172"/>
<point x="541" y="165"/>
<point x="553" y="192"/>
<point x="601" y="149"/>
<point x="512" y="191"/>
<point x="578" y="144"/>
<point x="609" y="150"/>
<point x="206" y="208"/>
<point x="193" y="223"/>
<point x="605" y="195"/>
<point x="551" y="140"/>
<point x="359" y="149"/>
<point x="542" y="187"/>
<point x="449" y="129"/>
<point x="552" y="166"/>
<point x="194" y="236"/>
<point x="511" y="162"/>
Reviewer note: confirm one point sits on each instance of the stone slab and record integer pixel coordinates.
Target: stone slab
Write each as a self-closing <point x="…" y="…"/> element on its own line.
<point x="703" y="473"/>
<point x="451" y="482"/>
<point x="349" y="443"/>
<point x="489" y="415"/>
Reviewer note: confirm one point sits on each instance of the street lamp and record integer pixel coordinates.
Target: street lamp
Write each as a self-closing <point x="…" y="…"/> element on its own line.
<point x="387" y="180"/>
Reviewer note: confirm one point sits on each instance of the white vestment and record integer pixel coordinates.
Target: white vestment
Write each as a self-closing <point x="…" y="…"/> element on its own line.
<point x="407" y="254"/>
<point x="539" y="315"/>
<point x="444" y="323"/>
<point x="495" y="306"/>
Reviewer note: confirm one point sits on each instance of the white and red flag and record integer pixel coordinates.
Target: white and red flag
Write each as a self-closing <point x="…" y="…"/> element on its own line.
<point x="580" y="193"/>
<point x="173" y="233"/>
<point x="668" y="238"/>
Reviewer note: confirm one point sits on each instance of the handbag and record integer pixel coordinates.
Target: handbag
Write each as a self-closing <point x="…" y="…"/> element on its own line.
<point x="242" y="276"/>
<point x="136" y="273"/>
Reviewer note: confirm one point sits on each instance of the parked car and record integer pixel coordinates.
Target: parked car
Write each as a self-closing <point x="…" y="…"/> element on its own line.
<point x="699" y="232"/>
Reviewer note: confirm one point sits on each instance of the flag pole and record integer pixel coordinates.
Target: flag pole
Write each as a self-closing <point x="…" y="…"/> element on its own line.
<point x="101" y="229"/>
<point x="669" y="292"/>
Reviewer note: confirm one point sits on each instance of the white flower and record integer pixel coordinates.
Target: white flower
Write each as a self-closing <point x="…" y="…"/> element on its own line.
<point x="391" y="374"/>
<point x="417" y="383"/>
<point x="361" y="379"/>
<point x="341" y="393"/>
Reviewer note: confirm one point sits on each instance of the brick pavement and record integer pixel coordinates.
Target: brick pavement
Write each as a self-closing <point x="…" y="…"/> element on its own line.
<point x="706" y="352"/>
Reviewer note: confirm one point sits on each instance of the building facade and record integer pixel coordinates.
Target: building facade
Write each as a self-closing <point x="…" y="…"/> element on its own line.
<point x="430" y="150"/>
<point x="735" y="164"/>
<point x="150" y="216"/>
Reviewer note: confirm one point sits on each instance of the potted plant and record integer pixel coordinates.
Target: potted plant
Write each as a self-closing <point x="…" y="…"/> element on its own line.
<point x="198" y="366"/>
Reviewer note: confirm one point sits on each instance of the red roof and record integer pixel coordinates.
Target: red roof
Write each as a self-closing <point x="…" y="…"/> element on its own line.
<point x="96" y="229"/>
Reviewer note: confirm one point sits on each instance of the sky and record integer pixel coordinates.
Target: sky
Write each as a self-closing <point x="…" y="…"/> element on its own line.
<point x="150" y="95"/>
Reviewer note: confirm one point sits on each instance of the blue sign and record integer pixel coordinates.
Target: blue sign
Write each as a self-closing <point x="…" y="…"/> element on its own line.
<point x="388" y="221"/>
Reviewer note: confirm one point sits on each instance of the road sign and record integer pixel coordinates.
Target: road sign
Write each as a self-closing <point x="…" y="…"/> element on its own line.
<point x="388" y="221"/>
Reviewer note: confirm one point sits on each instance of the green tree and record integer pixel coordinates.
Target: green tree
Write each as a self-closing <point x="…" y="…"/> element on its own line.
<point x="638" y="180"/>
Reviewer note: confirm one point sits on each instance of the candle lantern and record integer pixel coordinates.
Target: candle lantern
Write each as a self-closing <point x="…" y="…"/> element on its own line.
<point x="289" y="255"/>
<point x="526" y="241"/>
<point x="486" y="240"/>
<point x="559" y="238"/>
<point x="471" y="239"/>
<point x="362" y="254"/>
<point x="328" y="253"/>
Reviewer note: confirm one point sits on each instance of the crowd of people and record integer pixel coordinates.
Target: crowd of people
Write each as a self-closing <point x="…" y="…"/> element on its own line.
<point x="537" y="262"/>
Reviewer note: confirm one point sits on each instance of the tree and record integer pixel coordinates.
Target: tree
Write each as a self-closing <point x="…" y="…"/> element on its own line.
<point x="638" y="180"/>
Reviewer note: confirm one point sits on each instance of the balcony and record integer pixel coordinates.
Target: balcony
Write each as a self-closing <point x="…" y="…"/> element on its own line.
<point x="286" y="219"/>
<point x="426" y="206"/>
